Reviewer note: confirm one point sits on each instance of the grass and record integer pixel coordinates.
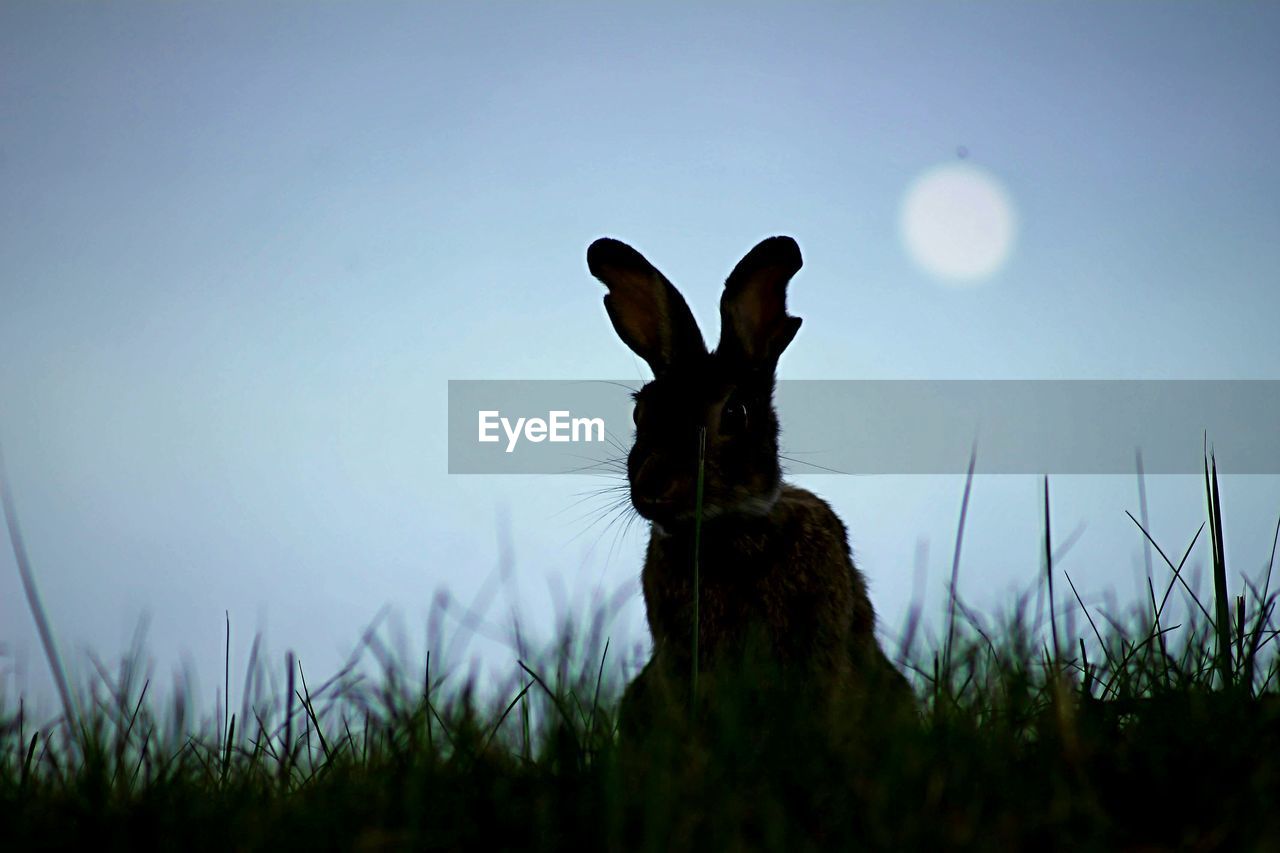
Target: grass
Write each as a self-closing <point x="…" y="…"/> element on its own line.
<point x="697" y="559"/>
<point x="1137" y="733"/>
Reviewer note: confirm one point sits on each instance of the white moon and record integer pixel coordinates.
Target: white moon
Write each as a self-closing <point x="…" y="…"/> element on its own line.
<point x="958" y="223"/>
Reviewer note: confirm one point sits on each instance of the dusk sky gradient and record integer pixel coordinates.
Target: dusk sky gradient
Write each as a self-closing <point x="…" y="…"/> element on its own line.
<point x="243" y="247"/>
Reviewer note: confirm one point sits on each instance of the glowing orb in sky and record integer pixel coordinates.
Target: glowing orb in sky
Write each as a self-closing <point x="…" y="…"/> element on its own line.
<point x="958" y="223"/>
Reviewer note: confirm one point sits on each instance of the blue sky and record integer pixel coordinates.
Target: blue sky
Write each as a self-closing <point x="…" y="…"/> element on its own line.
<point x="244" y="247"/>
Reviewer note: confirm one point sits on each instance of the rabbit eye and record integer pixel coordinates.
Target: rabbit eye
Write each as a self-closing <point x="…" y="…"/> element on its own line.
<point x="734" y="417"/>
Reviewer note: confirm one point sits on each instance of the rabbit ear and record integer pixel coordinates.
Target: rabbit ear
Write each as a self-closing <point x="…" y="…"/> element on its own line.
<point x="647" y="311"/>
<point x="754" y="324"/>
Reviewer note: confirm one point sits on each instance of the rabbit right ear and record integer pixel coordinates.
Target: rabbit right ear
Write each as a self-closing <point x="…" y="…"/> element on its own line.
<point x="754" y="323"/>
<point x="647" y="311"/>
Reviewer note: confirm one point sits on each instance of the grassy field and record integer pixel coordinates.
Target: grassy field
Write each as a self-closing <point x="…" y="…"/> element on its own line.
<point x="1139" y="733"/>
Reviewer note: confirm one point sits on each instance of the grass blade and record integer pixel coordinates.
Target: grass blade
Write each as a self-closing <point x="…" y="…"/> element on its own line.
<point x="33" y="598"/>
<point x="1222" y="605"/>
<point x="955" y="566"/>
<point x="697" y="545"/>
<point x="1048" y="572"/>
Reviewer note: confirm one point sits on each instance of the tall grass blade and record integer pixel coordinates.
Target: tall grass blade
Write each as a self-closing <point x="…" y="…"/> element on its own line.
<point x="287" y="758"/>
<point x="1142" y="506"/>
<point x="1222" y="605"/>
<point x="697" y="547"/>
<point x="955" y="565"/>
<point x="595" y="700"/>
<point x="226" y="752"/>
<point x="226" y="686"/>
<point x="309" y="706"/>
<point x="555" y="700"/>
<point x="1266" y="584"/>
<point x="426" y="698"/>
<point x="1102" y="644"/>
<point x="1048" y="573"/>
<point x="26" y="764"/>
<point x="1176" y="569"/>
<point x="503" y="718"/>
<point x="33" y="598"/>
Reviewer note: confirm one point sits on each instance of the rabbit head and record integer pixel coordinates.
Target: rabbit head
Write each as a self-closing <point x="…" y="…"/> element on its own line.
<point x="727" y="392"/>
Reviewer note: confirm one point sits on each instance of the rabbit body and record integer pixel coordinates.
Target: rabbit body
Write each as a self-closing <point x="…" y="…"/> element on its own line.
<point x="780" y="602"/>
<point x="784" y="580"/>
<point x="781" y="605"/>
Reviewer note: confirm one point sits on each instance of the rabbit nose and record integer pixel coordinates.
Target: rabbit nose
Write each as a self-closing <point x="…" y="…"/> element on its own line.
<point x="653" y="486"/>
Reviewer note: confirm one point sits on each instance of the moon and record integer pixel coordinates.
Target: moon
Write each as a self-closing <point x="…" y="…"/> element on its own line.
<point x="958" y="223"/>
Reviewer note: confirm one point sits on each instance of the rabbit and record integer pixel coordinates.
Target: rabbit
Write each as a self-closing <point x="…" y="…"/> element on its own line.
<point x="781" y="602"/>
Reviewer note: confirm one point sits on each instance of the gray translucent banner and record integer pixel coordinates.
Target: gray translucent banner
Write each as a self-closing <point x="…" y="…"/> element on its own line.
<point x="898" y="426"/>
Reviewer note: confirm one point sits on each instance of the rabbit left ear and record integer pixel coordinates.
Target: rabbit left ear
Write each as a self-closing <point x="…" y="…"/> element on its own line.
<point x="754" y="324"/>
<point x="647" y="311"/>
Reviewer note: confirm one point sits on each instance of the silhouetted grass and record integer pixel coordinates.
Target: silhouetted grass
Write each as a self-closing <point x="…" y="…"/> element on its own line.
<point x="1136" y="732"/>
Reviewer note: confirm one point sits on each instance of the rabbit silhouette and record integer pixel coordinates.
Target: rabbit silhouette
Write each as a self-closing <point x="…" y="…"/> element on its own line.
<point x="781" y="604"/>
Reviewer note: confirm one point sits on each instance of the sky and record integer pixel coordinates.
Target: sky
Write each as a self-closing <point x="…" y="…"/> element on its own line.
<point x="244" y="247"/>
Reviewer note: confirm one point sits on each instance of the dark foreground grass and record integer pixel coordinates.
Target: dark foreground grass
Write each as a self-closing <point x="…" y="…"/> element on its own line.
<point x="1139" y="732"/>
